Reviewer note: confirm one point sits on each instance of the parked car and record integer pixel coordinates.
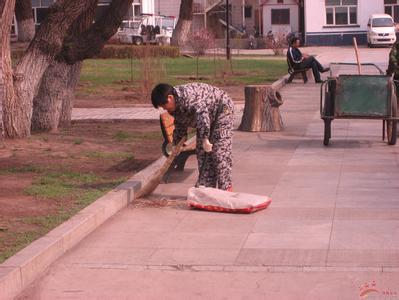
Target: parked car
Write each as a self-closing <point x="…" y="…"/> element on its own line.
<point x="151" y="29"/>
<point x="380" y="30"/>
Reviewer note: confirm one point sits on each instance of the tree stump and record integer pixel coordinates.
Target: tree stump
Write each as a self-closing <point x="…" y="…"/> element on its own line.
<point x="261" y="111"/>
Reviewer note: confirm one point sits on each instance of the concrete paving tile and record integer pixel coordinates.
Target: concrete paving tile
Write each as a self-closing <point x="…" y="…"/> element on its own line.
<point x="217" y="223"/>
<point x="365" y="234"/>
<point x="297" y="213"/>
<point x="199" y="240"/>
<point x="289" y="235"/>
<point x="282" y="257"/>
<point x="360" y="213"/>
<point x="107" y="255"/>
<point x="132" y="221"/>
<point x="125" y="240"/>
<point x="207" y="284"/>
<point x="363" y="257"/>
<point x="194" y="256"/>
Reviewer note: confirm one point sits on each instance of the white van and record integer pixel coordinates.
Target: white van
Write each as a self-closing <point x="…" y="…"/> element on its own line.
<point x="380" y="30"/>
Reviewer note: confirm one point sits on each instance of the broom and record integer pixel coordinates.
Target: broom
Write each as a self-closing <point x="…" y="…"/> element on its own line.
<point x="152" y="184"/>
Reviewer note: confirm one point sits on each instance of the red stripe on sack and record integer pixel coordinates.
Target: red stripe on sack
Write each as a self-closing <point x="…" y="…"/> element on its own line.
<point x="246" y="210"/>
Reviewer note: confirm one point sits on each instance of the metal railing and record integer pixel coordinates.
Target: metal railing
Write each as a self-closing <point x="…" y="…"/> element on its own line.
<point x="203" y="6"/>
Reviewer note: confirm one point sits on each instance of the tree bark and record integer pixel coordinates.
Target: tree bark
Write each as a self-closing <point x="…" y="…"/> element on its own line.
<point x="183" y="26"/>
<point x="6" y="81"/>
<point x="41" y="52"/>
<point x="67" y="103"/>
<point x="261" y="111"/>
<point x="90" y="42"/>
<point x="53" y="102"/>
<point x="26" y="24"/>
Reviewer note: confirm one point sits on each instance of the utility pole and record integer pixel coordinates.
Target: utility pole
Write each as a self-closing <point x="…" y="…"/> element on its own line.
<point x="228" y="31"/>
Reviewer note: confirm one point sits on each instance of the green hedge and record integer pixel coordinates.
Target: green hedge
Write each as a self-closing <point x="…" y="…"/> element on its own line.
<point x="123" y="51"/>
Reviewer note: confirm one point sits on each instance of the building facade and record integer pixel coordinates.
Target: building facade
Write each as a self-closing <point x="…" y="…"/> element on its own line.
<point x="318" y="22"/>
<point x="336" y="22"/>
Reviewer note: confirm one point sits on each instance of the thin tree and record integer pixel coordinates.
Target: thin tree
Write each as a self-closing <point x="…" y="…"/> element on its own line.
<point x="200" y="41"/>
<point x="25" y="21"/>
<point x="183" y="26"/>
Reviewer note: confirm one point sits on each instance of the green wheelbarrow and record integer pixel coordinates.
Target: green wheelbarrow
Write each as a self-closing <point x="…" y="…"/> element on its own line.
<point x="360" y="97"/>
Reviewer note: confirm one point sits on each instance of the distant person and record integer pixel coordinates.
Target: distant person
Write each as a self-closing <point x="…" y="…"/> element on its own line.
<point x="304" y="61"/>
<point x="204" y="107"/>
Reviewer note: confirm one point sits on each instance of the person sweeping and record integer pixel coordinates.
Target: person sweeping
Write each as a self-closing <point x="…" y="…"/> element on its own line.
<point x="211" y="111"/>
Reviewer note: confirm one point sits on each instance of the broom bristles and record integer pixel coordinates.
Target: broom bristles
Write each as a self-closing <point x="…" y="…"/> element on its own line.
<point x="152" y="184"/>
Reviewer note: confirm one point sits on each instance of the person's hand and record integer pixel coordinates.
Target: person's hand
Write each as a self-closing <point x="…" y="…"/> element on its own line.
<point x="207" y="145"/>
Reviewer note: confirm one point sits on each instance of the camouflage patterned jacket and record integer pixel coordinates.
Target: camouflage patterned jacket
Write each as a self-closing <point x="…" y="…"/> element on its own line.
<point x="196" y="106"/>
<point x="393" y="67"/>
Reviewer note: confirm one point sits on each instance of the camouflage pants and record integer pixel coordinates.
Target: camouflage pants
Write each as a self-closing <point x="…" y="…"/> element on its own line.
<point x="218" y="164"/>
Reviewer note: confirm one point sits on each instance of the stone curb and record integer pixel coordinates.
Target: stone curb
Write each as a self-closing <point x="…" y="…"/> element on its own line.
<point x="24" y="267"/>
<point x="17" y="272"/>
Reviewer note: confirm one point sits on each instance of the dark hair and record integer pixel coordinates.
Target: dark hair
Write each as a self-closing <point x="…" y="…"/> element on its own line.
<point x="293" y="40"/>
<point x="160" y="93"/>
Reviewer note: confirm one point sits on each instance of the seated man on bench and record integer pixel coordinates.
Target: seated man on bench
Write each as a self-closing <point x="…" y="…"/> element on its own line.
<point x="304" y="61"/>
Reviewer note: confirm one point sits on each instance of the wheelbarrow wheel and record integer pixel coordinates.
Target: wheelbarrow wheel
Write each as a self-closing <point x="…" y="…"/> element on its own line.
<point x="391" y="132"/>
<point x="392" y="125"/>
<point x="327" y="132"/>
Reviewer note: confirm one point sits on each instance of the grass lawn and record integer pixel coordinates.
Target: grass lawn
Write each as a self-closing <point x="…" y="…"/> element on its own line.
<point x="100" y="75"/>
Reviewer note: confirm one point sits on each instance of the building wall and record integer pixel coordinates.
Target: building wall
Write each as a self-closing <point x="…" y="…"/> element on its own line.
<point x="238" y="18"/>
<point x="318" y="33"/>
<point x="167" y="8"/>
<point x="267" y="16"/>
<point x="147" y="7"/>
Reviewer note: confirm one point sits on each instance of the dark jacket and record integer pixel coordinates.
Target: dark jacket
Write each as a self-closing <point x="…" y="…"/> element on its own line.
<point x="294" y="55"/>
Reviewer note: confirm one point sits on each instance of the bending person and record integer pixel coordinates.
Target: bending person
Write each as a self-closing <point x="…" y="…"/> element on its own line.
<point x="203" y="107"/>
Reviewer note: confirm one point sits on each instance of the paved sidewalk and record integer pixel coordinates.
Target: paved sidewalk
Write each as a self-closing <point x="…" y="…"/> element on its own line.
<point x="332" y="225"/>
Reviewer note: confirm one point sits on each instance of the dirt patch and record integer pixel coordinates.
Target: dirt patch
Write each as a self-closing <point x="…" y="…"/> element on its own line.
<point x="47" y="178"/>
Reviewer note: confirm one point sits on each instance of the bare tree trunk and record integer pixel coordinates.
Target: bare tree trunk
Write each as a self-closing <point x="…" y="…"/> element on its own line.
<point x="46" y="44"/>
<point x="54" y="99"/>
<point x="67" y="103"/>
<point x="6" y="81"/>
<point x="53" y="102"/>
<point x="26" y="24"/>
<point x="183" y="26"/>
<point x="261" y="111"/>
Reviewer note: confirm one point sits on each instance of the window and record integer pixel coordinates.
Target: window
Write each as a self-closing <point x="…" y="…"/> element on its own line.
<point x="13" y="26"/>
<point x="248" y="11"/>
<point x="40" y="10"/>
<point x="41" y="14"/>
<point x="341" y="12"/>
<point x="136" y="10"/>
<point x="280" y="16"/>
<point x="392" y="9"/>
<point x="280" y="1"/>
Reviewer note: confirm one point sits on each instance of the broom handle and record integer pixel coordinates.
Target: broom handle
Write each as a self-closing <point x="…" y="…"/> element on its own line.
<point x="359" y="67"/>
<point x="211" y="130"/>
